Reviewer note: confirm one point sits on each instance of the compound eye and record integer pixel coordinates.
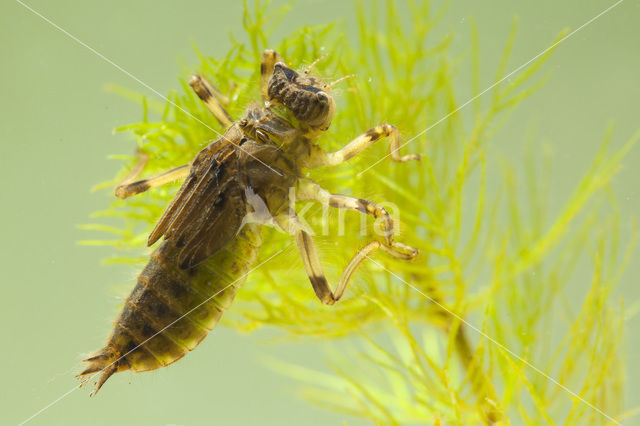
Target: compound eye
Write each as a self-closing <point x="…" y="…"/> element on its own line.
<point x="290" y="74"/>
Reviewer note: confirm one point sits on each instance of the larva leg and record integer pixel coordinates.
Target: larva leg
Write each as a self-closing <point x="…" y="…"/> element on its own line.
<point x="312" y="265"/>
<point x="291" y="223"/>
<point x="143" y="159"/>
<point x="307" y="249"/>
<point x="309" y="190"/>
<point x="269" y="59"/>
<point x="212" y="98"/>
<point x="129" y="187"/>
<point x="364" y="253"/>
<point x="361" y="143"/>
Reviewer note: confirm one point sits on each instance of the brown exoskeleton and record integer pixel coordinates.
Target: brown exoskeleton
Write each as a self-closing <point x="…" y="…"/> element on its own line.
<point x="208" y="241"/>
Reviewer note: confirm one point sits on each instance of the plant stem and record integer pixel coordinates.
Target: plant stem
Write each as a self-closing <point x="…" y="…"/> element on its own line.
<point x="480" y="384"/>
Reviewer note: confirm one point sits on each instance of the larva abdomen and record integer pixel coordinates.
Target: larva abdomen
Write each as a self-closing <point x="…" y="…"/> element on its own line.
<point x="170" y="310"/>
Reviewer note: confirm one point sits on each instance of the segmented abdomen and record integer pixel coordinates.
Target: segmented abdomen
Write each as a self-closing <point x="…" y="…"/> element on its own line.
<point x="171" y="310"/>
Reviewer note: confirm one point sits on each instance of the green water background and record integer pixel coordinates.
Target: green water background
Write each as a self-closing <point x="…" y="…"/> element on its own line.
<point x="57" y="301"/>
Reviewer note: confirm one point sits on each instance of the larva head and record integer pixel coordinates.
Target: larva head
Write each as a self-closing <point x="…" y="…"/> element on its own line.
<point x="303" y="96"/>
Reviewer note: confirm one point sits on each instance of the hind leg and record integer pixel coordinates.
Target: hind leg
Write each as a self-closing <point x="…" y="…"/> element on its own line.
<point x="312" y="265"/>
<point x="308" y="190"/>
<point x="291" y="224"/>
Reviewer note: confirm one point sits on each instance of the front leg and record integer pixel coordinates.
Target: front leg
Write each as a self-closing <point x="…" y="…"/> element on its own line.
<point x="361" y="143"/>
<point x="212" y="98"/>
<point x="269" y="59"/>
<point x="128" y="187"/>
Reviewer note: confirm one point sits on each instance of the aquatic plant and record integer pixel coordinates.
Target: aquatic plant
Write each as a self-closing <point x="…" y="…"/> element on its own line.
<point x="462" y="333"/>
